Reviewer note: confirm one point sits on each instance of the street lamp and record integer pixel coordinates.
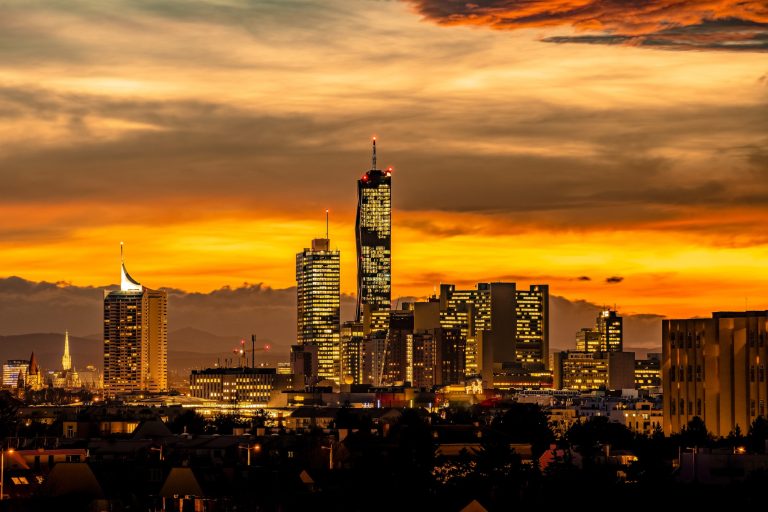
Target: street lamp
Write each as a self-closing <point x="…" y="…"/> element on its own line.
<point x="330" y="454"/>
<point x="256" y="449"/>
<point x="2" y="471"/>
<point x="155" y="449"/>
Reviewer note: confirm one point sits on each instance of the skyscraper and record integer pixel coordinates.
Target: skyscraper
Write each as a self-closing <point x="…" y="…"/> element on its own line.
<point x="398" y="362"/>
<point x="318" y="302"/>
<point x="610" y="326"/>
<point x="135" y="337"/>
<point x="606" y="336"/>
<point x="532" y="340"/>
<point x="373" y="227"/>
<point x="500" y="324"/>
<point x="352" y="352"/>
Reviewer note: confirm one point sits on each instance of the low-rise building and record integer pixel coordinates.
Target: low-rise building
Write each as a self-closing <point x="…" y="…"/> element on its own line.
<point x="233" y="385"/>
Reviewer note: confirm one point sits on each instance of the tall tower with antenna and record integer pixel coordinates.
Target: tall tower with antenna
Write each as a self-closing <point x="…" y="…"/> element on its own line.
<point x="373" y="233"/>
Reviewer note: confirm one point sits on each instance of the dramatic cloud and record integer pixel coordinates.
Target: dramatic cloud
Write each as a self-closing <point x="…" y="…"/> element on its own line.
<point x="215" y="157"/>
<point x="213" y="322"/>
<point x="614" y="279"/>
<point x="641" y="332"/>
<point x="732" y="25"/>
<point x="34" y="307"/>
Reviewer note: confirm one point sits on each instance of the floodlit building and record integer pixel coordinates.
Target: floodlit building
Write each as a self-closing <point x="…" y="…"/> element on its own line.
<point x="67" y="377"/>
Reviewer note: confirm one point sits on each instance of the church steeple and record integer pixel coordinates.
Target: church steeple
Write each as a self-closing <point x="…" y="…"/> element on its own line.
<point x="66" y="360"/>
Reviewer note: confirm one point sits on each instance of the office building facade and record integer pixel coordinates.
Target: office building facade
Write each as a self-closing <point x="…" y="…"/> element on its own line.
<point x="648" y="372"/>
<point x="532" y="327"/>
<point x="500" y="324"/>
<point x="318" y="305"/>
<point x="611" y="328"/>
<point x="590" y="371"/>
<point x="352" y="353"/>
<point x="233" y="385"/>
<point x="715" y="368"/>
<point x="15" y="372"/>
<point x="373" y="233"/>
<point x="398" y="352"/>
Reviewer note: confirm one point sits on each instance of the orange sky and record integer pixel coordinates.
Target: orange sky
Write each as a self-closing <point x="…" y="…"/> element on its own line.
<point x="210" y="137"/>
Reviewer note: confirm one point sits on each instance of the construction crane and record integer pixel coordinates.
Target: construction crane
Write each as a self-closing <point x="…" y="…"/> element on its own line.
<point x="242" y="352"/>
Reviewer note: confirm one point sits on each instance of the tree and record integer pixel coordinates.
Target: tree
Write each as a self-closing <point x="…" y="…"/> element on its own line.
<point x="695" y="434"/>
<point x="8" y="417"/>
<point x="189" y="422"/>
<point x="757" y="435"/>
<point x="525" y="423"/>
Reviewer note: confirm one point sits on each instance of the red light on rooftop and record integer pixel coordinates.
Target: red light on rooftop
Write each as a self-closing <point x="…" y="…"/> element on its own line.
<point x="267" y="346"/>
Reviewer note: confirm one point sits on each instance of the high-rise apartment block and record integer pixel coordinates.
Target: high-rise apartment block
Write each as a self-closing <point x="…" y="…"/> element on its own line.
<point x="135" y="338"/>
<point x="318" y="305"/>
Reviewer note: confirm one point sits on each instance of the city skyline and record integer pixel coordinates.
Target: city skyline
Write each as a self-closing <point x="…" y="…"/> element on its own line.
<point x="482" y="252"/>
<point x="516" y="156"/>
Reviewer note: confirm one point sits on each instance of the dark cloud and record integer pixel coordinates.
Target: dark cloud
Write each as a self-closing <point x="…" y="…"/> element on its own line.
<point x="230" y="157"/>
<point x="33" y="307"/>
<point x="614" y="279"/>
<point x="229" y="314"/>
<point x="568" y="316"/>
<point x="728" y="25"/>
<point x="583" y="278"/>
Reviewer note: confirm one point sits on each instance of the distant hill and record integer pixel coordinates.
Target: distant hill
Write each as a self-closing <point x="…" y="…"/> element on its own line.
<point x="49" y="347"/>
<point x="187" y="348"/>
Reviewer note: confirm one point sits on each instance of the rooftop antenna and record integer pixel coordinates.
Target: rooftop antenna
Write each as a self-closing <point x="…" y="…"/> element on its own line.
<point x="326" y="224"/>
<point x="373" y="168"/>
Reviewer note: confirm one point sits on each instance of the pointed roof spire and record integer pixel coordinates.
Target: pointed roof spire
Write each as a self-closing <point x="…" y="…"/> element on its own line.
<point x="66" y="360"/>
<point x="127" y="283"/>
<point x="34" y="368"/>
<point x="326" y="224"/>
<point x="373" y="166"/>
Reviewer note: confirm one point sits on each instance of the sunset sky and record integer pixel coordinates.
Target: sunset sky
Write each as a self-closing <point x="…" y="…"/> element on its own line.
<point x="618" y="152"/>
